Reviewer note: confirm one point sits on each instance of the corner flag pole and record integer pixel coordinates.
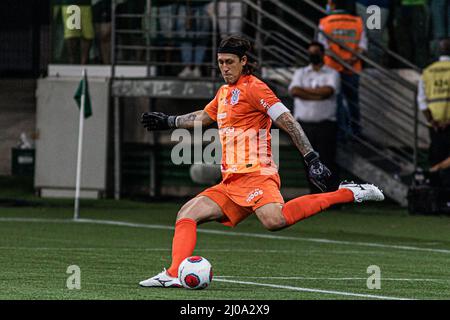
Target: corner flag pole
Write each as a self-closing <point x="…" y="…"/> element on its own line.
<point x="76" y="212"/>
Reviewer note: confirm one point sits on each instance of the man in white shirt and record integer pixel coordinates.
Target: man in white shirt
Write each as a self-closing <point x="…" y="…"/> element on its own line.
<point x="314" y="89"/>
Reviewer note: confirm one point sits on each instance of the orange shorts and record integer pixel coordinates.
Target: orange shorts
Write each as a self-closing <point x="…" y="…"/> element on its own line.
<point x="241" y="194"/>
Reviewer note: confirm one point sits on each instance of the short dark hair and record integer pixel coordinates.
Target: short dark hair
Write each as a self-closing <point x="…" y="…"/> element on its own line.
<point x="444" y="47"/>
<point x="317" y="44"/>
<point x="240" y="44"/>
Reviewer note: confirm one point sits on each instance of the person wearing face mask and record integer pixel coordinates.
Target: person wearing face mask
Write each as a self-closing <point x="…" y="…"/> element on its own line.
<point x="341" y="27"/>
<point x="314" y="89"/>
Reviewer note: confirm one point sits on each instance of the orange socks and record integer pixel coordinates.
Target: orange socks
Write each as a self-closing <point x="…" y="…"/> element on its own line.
<point x="183" y="243"/>
<point x="303" y="207"/>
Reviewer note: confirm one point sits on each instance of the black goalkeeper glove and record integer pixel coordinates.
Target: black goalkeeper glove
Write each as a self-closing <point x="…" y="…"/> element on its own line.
<point x="318" y="174"/>
<point x="157" y="121"/>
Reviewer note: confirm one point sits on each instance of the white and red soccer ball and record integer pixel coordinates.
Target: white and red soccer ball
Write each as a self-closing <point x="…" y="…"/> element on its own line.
<point x="195" y="273"/>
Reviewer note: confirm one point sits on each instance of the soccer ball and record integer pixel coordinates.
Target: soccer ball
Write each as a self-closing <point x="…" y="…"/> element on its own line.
<point x="195" y="273"/>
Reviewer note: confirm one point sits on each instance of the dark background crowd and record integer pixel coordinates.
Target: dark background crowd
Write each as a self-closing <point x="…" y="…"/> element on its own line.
<point x="410" y="28"/>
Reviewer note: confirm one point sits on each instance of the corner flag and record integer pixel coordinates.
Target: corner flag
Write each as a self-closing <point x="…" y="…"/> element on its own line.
<point x="84" y="104"/>
<point x="83" y="89"/>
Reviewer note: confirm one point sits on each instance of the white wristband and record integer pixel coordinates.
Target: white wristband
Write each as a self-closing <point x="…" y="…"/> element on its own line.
<point x="277" y="110"/>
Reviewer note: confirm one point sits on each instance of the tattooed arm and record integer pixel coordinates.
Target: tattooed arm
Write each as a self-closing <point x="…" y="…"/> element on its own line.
<point x="318" y="173"/>
<point x="287" y="122"/>
<point x="187" y="121"/>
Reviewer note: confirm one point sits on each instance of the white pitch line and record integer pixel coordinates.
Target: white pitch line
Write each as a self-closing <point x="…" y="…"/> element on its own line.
<point x="277" y="251"/>
<point x="341" y="293"/>
<point x="83" y="249"/>
<point x="333" y="279"/>
<point x="138" y="249"/>
<point x="229" y="233"/>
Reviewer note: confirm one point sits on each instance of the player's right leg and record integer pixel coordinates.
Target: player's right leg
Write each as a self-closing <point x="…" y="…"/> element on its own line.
<point x="303" y="207"/>
<point x="198" y="210"/>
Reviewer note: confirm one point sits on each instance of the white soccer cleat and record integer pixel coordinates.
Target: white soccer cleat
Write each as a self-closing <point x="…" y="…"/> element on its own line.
<point x="363" y="192"/>
<point x="161" y="280"/>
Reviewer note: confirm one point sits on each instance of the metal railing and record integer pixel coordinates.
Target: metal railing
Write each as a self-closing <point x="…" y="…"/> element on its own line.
<point x="278" y="48"/>
<point x="401" y="94"/>
<point x="163" y="38"/>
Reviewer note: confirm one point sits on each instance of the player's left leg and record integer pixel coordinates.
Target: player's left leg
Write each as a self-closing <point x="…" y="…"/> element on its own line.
<point x="271" y="217"/>
<point x="306" y="206"/>
<point x="275" y="216"/>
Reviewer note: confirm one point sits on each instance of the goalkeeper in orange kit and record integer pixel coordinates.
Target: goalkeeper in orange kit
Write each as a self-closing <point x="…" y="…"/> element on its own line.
<point x="244" y="109"/>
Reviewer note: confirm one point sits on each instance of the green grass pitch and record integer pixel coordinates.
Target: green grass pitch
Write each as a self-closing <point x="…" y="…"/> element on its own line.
<point x="324" y="257"/>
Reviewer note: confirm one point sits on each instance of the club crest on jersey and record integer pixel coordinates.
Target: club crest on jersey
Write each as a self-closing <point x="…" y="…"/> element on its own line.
<point x="235" y="96"/>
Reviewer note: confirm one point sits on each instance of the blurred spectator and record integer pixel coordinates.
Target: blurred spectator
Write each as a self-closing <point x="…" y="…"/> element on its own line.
<point x="349" y="30"/>
<point x="230" y="14"/>
<point x="314" y="89"/>
<point x="78" y="41"/>
<point x="124" y="7"/>
<point x="167" y="12"/>
<point x="434" y="100"/>
<point x="193" y="25"/>
<point x="160" y="31"/>
<point x="102" y="23"/>
<point x="440" y="19"/>
<point x="57" y="33"/>
<point x="444" y="164"/>
<point x="379" y="36"/>
<point x="411" y="30"/>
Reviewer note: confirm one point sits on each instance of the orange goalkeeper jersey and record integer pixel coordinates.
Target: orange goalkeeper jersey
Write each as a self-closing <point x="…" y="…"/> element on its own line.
<point x="244" y="126"/>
